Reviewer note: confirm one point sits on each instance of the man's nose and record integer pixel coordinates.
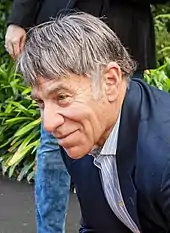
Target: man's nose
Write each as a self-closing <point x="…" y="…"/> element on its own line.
<point x="51" y="119"/>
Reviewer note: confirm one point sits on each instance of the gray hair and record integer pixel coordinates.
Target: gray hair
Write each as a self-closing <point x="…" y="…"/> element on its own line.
<point x="76" y="43"/>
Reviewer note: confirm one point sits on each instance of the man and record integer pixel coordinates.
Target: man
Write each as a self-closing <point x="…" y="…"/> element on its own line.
<point x="132" y="21"/>
<point x="52" y="181"/>
<point x="89" y="104"/>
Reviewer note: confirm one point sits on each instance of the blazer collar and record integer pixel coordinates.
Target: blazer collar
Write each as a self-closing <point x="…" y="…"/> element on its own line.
<point x="126" y="150"/>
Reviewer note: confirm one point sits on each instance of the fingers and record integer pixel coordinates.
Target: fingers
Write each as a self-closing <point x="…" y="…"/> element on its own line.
<point x="13" y="48"/>
<point x="16" y="49"/>
<point x="9" y="49"/>
<point x="22" y="43"/>
<point x="14" y="40"/>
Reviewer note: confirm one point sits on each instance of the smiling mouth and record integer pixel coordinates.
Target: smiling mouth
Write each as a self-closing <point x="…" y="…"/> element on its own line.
<point x="65" y="136"/>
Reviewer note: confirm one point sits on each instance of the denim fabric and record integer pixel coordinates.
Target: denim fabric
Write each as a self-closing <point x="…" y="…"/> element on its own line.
<point x="52" y="184"/>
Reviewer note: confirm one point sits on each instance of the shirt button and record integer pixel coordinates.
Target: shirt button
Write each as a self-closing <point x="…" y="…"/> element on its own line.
<point x="121" y="204"/>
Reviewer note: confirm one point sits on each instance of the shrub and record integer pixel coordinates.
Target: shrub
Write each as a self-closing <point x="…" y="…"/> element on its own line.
<point x="19" y="125"/>
<point x="162" y="29"/>
<point x="160" y="77"/>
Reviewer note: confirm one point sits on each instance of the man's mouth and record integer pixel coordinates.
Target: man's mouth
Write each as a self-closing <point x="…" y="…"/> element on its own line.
<point x="65" y="135"/>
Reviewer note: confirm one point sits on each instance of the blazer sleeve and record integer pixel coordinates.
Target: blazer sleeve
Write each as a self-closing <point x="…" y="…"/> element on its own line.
<point x="23" y="12"/>
<point x="164" y="197"/>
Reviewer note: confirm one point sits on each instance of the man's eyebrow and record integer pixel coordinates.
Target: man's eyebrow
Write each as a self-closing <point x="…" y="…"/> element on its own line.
<point x="54" y="89"/>
<point x="51" y="90"/>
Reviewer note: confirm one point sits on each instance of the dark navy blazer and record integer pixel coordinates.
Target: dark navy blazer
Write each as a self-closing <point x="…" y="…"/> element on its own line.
<point x="143" y="162"/>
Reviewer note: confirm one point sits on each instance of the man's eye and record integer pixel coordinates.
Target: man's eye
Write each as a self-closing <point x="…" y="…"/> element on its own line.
<point x="62" y="96"/>
<point x="40" y="103"/>
<point x="64" y="99"/>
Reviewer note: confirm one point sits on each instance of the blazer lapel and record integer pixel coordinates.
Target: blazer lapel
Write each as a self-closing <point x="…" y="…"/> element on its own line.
<point x="126" y="150"/>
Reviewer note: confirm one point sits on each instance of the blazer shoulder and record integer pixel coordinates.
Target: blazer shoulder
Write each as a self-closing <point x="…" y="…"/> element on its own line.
<point x="153" y="146"/>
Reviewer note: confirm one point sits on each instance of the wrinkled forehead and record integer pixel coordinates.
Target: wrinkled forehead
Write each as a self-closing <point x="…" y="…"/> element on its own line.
<point x="73" y="83"/>
<point x="45" y="86"/>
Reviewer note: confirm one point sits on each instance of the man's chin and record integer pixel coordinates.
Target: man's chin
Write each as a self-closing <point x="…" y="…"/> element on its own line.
<point x="74" y="154"/>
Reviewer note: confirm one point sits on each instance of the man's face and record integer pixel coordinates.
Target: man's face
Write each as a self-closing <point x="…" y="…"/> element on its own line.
<point x="72" y="114"/>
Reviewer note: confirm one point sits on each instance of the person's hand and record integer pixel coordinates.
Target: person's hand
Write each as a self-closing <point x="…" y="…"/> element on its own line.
<point x="15" y="40"/>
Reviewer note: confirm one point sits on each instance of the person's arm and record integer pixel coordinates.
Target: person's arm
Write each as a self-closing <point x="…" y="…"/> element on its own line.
<point x="22" y="16"/>
<point x="23" y="12"/>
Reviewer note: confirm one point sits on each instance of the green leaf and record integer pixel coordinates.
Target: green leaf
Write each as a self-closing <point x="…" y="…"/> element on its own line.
<point x="20" y="107"/>
<point x="15" y="144"/>
<point x="18" y="120"/>
<point x="3" y="73"/>
<point x="24" y="143"/>
<point x="12" y="170"/>
<point x="162" y="16"/>
<point x="25" y="170"/>
<point x="5" y="114"/>
<point x="20" y="154"/>
<point x="27" y="128"/>
<point x="30" y="176"/>
<point x="9" y="108"/>
<point x="4" y="165"/>
<point x="6" y="143"/>
<point x="26" y="91"/>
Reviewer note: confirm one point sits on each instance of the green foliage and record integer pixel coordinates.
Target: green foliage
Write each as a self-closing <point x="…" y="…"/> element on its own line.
<point x="162" y="29"/>
<point x="19" y="125"/>
<point x="160" y="77"/>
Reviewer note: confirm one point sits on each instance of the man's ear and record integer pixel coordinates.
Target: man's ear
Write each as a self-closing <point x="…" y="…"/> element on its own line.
<point x="112" y="80"/>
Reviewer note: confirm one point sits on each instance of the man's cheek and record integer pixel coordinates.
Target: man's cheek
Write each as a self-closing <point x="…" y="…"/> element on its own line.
<point x="75" y="113"/>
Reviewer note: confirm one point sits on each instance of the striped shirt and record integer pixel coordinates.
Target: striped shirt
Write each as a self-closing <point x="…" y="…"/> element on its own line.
<point x="106" y="162"/>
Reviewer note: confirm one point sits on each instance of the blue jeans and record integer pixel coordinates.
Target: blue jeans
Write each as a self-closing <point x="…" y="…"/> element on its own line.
<point x="52" y="184"/>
